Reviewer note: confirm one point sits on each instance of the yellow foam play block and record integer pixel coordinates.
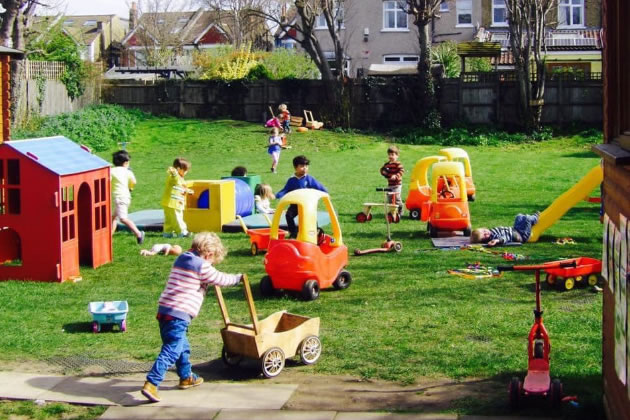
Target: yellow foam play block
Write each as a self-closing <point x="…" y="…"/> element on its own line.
<point x="221" y="200"/>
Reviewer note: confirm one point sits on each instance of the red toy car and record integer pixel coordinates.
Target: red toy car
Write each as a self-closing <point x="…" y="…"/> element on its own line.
<point x="314" y="260"/>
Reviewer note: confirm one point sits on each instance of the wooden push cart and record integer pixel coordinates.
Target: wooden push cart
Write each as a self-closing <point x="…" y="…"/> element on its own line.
<point x="270" y="340"/>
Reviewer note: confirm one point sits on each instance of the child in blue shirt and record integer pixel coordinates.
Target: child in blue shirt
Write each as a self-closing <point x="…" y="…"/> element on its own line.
<point x="301" y="179"/>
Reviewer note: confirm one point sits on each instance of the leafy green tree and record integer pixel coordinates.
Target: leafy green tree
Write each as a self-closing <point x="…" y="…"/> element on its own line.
<point x="445" y="53"/>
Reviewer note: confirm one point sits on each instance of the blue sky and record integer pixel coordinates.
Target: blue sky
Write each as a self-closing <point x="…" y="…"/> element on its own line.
<point x="98" y="7"/>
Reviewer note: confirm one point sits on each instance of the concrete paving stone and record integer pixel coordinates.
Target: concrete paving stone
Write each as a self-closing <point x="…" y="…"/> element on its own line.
<point x="172" y="396"/>
<point x="503" y="418"/>
<point x="155" y="412"/>
<point x="252" y="396"/>
<point x="275" y="415"/>
<point x="394" y="416"/>
<point x="26" y="386"/>
<point x="91" y="390"/>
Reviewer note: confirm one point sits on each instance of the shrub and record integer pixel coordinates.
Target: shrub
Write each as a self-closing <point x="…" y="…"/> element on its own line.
<point x="285" y="63"/>
<point x="445" y="53"/>
<point x="99" y="127"/>
<point x="226" y="63"/>
<point x="466" y="136"/>
<point x="259" y="71"/>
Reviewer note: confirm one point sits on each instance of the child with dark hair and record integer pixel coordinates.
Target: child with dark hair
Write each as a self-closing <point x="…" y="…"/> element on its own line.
<point x="239" y="171"/>
<point x="122" y="182"/>
<point x="393" y="170"/>
<point x="174" y="199"/>
<point x="301" y="179"/>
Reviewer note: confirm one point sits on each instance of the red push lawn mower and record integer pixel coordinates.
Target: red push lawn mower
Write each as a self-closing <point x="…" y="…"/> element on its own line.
<point x="538" y="380"/>
<point x="388" y="245"/>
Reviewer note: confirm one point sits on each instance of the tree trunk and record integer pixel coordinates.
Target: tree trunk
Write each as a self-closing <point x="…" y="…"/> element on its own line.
<point x="426" y="88"/>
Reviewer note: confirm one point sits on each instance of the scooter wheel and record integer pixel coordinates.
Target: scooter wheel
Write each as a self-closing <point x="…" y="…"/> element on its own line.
<point x="397" y="246"/>
<point x="515" y="393"/>
<point x="361" y="217"/>
<point x="555" y="393"/>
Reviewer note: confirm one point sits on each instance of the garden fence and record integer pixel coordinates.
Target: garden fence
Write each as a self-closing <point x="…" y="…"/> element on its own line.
<point x="49" y="70"/>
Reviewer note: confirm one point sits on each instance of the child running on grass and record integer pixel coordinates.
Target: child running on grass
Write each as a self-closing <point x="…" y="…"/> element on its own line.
<point x="174" y="199"/>
<point x="301" y="179"/>
<point x="123" y="181"/>
<point x="274" y="147"/>
<point x="393" y="170"/>
<point x="192" y="273"/>
<point x="520" y="232"/>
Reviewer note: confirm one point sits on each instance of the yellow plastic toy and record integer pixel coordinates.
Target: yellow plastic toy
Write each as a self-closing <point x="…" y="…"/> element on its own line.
<point x="456" y="154"/>
<point x="221" y="201"/>
<point x="419" y="188"/>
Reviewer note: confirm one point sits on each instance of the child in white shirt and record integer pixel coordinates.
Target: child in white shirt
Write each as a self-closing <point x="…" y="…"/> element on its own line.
<point x="262" y="199"/>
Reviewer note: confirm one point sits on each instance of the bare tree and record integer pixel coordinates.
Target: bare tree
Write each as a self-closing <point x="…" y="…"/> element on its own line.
<point x="423" y="12"/>
<point x="161" y="29"/>
<point x="527" y="23"/>
<point x="237" y="19"/>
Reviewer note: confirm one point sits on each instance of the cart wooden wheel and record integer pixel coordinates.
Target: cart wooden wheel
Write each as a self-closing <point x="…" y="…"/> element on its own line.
<point x="555" y="393"/>
<point x="272" y="362"/>
<point x="266" y="287"/>
<point x="592" y="279"/>
<point x="361" y="217"/>
<point x="254" y="248"/>
<point x="95" y="327"/>
<point x="568" y="284"/>
<point x="230" y="359"/>
<point x="310" y="290"/>
<point x="397" y="246"/>
<point x="310" y="350"/>
<point x="343" y="280"/>
<point x="551" y="279"/>
<point x="414" y="214"/>
<point x="515" y="393"/>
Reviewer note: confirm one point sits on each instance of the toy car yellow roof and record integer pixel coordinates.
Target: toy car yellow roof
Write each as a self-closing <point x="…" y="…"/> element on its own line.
<point x="451" y="170"/>
<point x="419" y="173"/>
<point x="457" y="153"/>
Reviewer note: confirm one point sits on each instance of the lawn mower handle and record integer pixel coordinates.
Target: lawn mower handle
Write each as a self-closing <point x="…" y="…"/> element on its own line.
<point x="559" y="264"/>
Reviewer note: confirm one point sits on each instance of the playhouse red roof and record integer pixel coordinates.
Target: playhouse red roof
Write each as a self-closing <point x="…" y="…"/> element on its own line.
<point x="58" y="154"/>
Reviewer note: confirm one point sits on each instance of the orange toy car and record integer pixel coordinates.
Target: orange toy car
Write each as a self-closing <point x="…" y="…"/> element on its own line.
<point x="447" y="210"/>
<point x="456" y="154"/>
<point x="419" y="187"/>
<point x="314" y="260"/>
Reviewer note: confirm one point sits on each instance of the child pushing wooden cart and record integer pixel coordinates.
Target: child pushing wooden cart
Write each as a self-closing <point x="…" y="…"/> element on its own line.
<point x="270" y="340"/>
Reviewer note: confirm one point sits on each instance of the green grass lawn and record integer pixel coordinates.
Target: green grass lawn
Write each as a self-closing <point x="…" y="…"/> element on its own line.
<point x="403" y="317"/>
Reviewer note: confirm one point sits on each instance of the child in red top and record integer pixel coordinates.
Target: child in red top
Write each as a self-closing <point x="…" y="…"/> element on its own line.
<point x="393" y="170"/>
<point x="285" y="118"/>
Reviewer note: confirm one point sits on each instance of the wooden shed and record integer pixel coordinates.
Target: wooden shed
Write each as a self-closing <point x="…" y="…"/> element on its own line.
<point x="54" y="209"/>
<point x="5" y="90"/>
<point x="615" y="153"/>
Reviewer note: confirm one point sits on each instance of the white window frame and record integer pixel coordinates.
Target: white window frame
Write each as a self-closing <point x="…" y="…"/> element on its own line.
<point x="320" y="20"/>
<point x="397" y="8"/>
<point x="571" y="6"/>
<point x="444" y="6"/>
<point x="461" y="10"/>
<point x="401" y="59"/>
<point x="496" y="6"/>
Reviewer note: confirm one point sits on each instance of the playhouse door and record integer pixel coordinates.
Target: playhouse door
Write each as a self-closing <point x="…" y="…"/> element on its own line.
<point x="84" y="217"/>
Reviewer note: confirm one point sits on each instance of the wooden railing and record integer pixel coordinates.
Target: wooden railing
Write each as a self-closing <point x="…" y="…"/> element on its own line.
<point x="49" y="70"/>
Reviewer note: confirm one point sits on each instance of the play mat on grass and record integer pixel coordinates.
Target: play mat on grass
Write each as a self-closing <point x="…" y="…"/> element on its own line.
<point x="153" y="220"/>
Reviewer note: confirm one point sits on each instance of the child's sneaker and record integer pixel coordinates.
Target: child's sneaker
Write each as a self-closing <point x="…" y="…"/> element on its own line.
<point x="151" y="392"/>
<point x="184" y="235"/>
<point x="140" y="238"/>
<point x="192" y="380"/>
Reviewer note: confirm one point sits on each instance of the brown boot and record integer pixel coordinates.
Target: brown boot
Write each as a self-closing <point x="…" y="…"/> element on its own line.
<point x="192" y="380"/>
<point x="151" y="392"/>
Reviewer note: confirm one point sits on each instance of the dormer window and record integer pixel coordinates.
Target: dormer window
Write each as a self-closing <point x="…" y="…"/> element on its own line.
<point x="89" y="23"/>
<point x="570" y="13"/>
<point x="68" y="22"/>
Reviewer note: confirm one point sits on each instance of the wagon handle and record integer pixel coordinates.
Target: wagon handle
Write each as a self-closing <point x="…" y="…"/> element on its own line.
<point x="267" y="219"/>
<point x="558" y="264"/>
<point x="242" y="222"/>
<point x="250" y="305"/>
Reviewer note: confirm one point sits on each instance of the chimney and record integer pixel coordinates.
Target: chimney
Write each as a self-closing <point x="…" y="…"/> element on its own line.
<point x="133" y="16"/>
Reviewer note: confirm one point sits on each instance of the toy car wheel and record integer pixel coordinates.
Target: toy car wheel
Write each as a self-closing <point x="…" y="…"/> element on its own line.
<point x="467" y="231"/>
<point x="397" y="246"/>
<point x="555" y="393"/>
<point x="230" y="359"/>
<point x="515" y="393"/>
<point x="266" y="286"/>
<point x="390" y="218"/>
<point x="95" y="327"/>
<point x="433" y="232"/>
<point x="396" y="217"/>
<point x="592" y="279"/>
<point x="472" y="197"/>
<point x="254" y="249"/>
<point x="551" y="279"/>
<point x="343" y="280"/>
<point x="568" y="284"/>
<point x="361" y="217"/>
<point x="579" y="279"/>
<point x="123" y="325"/>
<point x="310" y="350"/>
<point x="559" y="283"/>
<point x="272" y="362"/>
<point x="414" y="214"/>
<point x="310" y="290"/>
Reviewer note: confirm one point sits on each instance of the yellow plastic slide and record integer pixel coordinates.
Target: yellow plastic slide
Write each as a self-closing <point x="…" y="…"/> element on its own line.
<point x="562" y="204"/>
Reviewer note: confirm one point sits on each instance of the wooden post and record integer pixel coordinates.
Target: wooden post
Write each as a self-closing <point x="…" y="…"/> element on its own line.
<point x="5" y="62"/>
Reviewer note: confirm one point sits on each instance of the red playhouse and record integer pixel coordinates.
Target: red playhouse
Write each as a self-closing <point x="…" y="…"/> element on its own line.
<point x="54" y="210"/>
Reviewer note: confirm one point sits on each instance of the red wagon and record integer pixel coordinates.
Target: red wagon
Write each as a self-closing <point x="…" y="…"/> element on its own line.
<point x="260" y="237"/>
<point x="586" y="271"/>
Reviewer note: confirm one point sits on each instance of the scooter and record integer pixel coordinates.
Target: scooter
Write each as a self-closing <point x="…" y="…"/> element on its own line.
<point x="538" y="380"/>
<point x="389" y="245"/>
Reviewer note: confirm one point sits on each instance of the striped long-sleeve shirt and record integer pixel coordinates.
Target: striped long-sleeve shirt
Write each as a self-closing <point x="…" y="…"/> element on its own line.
<point x="187" y="283"/>
<point x="393" y="171"/>
<point x="503" y="234"/>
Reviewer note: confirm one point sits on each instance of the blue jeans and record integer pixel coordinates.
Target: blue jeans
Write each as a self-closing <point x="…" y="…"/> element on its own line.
<point x="523" y="225"/>
<point x="175" y="350"/>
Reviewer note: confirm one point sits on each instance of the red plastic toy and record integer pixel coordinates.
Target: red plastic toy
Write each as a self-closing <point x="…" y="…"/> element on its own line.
<point x="586" y="271"/>
<point x="538" y="380"/>
<point x="314" y="260"/>
<point x="388" y="245"/>
<point x="259" y="238"/>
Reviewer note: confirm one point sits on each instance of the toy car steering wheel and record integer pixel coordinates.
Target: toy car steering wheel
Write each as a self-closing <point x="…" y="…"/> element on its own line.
<point x="321" y="236"/>
<point x="447" y="194"/>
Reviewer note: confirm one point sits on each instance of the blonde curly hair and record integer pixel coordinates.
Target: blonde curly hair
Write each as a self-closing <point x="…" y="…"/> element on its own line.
<point x="208" y="244"/>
